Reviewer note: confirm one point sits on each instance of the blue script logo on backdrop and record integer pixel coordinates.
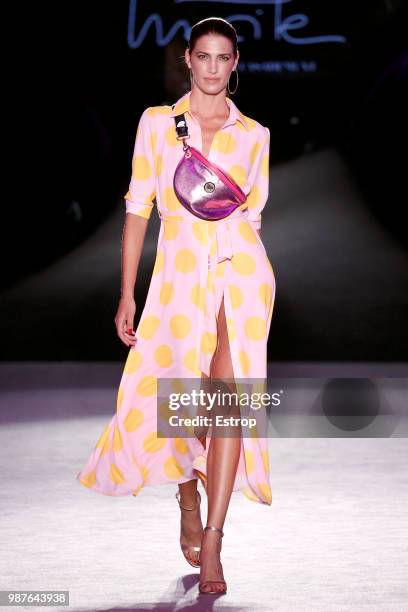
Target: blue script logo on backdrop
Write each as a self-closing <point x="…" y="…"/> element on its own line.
<point x="282" y="26"/>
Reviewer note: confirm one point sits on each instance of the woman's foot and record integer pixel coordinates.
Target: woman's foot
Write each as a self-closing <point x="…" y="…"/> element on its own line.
<point x="211" y="572"/>
<point x="191" y="529"/>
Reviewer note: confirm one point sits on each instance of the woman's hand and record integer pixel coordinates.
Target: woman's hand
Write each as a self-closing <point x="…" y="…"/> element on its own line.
<point x="124" y="320"/>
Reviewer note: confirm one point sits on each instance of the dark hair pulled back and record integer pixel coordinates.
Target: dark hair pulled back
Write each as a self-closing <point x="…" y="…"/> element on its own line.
<point x="213" y="25"/>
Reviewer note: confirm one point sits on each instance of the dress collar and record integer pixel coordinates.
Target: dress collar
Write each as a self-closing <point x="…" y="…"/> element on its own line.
<point x="183" y="106"/>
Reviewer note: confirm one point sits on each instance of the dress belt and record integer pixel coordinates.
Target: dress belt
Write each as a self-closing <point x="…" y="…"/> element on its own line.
<point x="223" y="235"/>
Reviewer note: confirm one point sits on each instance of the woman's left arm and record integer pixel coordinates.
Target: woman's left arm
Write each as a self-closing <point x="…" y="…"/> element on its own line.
<point x="259" y="179"/>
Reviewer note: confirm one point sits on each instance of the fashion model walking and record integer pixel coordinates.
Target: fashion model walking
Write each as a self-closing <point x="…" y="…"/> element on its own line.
<point x="208" y="310"/>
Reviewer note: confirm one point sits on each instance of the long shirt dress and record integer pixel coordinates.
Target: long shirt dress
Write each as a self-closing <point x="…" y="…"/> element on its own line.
<point x="197" y="263"/>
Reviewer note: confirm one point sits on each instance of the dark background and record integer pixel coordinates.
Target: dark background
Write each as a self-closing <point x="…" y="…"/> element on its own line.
<point x="337" y="114"/>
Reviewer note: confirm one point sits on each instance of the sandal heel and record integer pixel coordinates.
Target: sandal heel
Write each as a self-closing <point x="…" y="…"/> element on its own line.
<point x="202" y="585"/>
<point x="184" y="547"/>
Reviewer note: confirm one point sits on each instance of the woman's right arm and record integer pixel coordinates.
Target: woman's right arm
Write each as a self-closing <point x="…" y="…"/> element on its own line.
<point x="139" y="205"/>
<point x="132" y="245"/>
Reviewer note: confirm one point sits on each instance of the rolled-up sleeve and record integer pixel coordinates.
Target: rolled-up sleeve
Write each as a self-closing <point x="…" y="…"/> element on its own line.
<point x="259" y="179"/>
<point x="142" y="187"/>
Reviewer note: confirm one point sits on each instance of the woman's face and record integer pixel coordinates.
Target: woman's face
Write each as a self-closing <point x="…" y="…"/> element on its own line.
<point x="211" y="61"/>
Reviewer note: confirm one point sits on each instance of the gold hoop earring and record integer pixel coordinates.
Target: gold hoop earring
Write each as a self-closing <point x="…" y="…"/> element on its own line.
<point x="236" y="87"/>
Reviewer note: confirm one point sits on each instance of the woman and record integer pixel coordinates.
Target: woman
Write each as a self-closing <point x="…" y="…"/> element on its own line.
<point x="212" y="285"/>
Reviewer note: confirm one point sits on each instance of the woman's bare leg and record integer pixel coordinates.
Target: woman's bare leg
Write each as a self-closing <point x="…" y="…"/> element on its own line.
<point x="191" y="531"/>
<point x="222" y="463"/>
<point x="191" y="524"/>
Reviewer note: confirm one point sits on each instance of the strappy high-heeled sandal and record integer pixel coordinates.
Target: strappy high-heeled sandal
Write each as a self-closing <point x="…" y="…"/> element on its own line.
<point x="186" y="547"/>
<point x="203" y="584"/>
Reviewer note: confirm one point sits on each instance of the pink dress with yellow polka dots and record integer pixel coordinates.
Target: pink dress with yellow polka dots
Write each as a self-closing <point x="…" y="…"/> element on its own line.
<point x="197" y="263"/>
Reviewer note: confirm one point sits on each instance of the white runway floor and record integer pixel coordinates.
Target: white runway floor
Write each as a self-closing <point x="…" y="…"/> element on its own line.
<point x="334" y="539"/>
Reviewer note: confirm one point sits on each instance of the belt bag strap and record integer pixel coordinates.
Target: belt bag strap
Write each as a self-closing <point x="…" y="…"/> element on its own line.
<point x="181" y="125"/>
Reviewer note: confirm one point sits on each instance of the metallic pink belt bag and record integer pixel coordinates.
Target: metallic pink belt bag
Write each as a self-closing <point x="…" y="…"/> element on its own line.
<point x="202" y="187"/>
